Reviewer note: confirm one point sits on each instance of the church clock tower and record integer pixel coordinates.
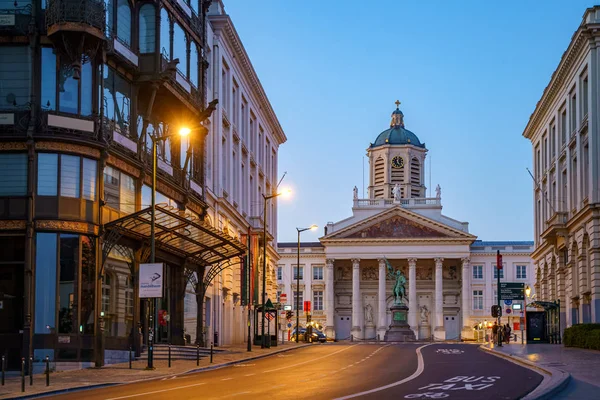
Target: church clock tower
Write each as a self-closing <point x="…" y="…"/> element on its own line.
<point x="396" y="157"/>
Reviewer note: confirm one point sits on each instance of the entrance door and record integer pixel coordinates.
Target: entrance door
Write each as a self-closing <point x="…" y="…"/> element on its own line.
<point x="451" y="327"/>
<point x="342" y="328"/>
<point x="11" y="312"/>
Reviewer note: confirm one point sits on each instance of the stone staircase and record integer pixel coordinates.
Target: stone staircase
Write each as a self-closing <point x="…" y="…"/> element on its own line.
<point x="161" y="352"/>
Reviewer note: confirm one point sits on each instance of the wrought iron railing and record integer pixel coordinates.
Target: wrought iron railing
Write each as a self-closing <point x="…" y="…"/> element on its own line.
<point x="89" y="12"/>
<point x="16" y="19"/>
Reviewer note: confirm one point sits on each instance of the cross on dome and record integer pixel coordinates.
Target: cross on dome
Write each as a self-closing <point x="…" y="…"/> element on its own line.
<point x="397" y="104"/>
<point x="397" y="116"/>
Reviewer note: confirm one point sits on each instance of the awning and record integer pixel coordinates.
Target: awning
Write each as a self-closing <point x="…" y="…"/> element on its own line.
<point x="546" y="305"/>
<point x="179" y="233"/>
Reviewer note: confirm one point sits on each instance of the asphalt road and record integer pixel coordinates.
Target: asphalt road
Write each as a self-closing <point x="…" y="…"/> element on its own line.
<point x="331" y="371"/>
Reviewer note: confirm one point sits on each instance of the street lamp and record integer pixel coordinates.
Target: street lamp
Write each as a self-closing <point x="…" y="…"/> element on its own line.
<point x="527" y="291"/>
<point x="524" y="325"/>
<point x="155" y="139"/>
<point x="264" y="269"/>
<point x="300" y="230"/>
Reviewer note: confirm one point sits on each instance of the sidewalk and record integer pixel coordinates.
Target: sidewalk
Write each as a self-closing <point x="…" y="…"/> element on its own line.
<point x="583" y="365"/>
<point x="120" y="373"/>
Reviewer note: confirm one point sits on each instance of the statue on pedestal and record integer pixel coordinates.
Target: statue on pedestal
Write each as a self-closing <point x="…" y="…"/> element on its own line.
<point x="399" y="285"/>
<point x="397" y="192"/>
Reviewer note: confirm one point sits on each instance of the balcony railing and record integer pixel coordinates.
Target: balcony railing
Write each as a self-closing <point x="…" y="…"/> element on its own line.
<point x="74" y="12"/>
<point x="15" y="20"/>
<point x="423" y="202"/>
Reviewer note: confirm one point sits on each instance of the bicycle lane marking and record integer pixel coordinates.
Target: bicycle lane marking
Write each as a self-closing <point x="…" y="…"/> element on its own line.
<point x="464" y="372"/>
<point x="419" y="371"/>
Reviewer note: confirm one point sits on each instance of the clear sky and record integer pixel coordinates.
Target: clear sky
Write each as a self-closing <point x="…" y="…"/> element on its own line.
<point x="468" y="74"/>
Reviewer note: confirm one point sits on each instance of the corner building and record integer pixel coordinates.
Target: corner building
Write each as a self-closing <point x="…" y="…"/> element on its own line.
<point x="451" y="276"/>
<point x="564" y="133"/>
<point x="86" y="87"/>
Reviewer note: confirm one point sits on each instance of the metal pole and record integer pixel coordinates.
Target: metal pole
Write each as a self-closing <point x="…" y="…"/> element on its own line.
<point x="30" y="371"/>
<point x="211" y="352"/>
<point x="152" y="254"/>
<point x="298" y="289"/>
<point x="169" y="356"/>
<point x="23" y="374"/>
<point x="498" y="267"/>
<point x="249" y="304"/>
<point x="3" y="369"/>
<point x="47" y="371"/>
<point x="129" y="357"/>
<point x="197" y="355"/>
<point x="264" y="276"/>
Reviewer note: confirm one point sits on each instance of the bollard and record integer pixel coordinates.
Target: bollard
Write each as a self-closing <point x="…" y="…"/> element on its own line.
<point x="30" y="371"/>
<point x="378" y="338"/>
<point x="352" y="338"/>
<point x="169" y="356"/>
<point x="47" y="371"/>
<point x="23" y="374"/>
<point x="130" y="356"/>
<point x="3" y="368"/>
<point x="198" y="355"/>
<point x="211" y="351"/>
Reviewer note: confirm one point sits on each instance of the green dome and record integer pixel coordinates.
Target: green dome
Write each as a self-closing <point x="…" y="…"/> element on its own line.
<point x="397" y="135"/>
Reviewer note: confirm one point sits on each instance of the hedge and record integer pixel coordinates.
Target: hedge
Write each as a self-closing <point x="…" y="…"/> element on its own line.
<point x="586" y="336"/>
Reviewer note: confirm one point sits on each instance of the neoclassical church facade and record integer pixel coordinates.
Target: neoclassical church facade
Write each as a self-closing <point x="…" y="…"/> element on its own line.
<point x="450" y="274"/>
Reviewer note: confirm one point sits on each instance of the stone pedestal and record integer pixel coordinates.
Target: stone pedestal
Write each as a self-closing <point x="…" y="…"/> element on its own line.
<point x="370" y="332"/>
<point x="425" y="332"/>
<point x="399" y="330"/>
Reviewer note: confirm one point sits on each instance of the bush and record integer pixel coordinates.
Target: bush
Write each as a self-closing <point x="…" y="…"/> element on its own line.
<point x="585" y="336"/>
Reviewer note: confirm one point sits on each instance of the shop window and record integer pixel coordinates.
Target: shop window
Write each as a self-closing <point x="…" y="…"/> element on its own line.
<point x="147" y="28"/>
<point x="67" y="286"/>
<point x="15" y="76"/>
<point x="119" y="190"/>
<point x="13" y="179"/>
<point x="88" y="285"/>
<point x="45" y="283"/>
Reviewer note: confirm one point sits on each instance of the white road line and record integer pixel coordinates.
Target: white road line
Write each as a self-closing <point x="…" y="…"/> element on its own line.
<point x="250" y="375"/>
<point x="226" y="379"/>
<point x="313" y="360"/>
<point x="419" y="371"/>
<point x="236" y="394"/>
<point x="156" y="391"/>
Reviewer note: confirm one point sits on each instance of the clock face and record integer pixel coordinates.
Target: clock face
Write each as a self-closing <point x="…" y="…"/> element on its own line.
<point x="397" y="162"/>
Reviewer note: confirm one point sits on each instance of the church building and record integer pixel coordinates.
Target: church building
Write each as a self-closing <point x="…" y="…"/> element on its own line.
<point x="450" y="275"/>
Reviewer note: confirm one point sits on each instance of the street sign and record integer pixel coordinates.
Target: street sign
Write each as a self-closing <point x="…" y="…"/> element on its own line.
<point x="282" y="298"/>
<point x="512" y="291"/>
<point x="269" y="305"/>
<point x="150" y="281"/>
<point x="508" y="310"/>
<point x="289" y="325"/>
<point x="287" y="307"/>
<point x="307" y="305"/>
<point x="517" y="307"/>
<point x="269" y="316"/>
<point x="508" y="302"/>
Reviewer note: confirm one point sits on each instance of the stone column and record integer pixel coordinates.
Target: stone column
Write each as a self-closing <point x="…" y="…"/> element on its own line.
<point x="356" y="303"/>
<point x="467" y="331"/>
<point x="413" y="308"/>
<point x="382" y="304"/>
<point x="329" y="299"/>
<point x="439" y="332"/>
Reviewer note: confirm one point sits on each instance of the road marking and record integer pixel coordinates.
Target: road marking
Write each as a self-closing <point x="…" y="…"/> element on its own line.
<point x="236" y="394"/>
<point x="156" y="391"/>
<point x="313" y="360"/>
<point x="250" y="375"/>
<point x="419" y="371"/>
<point x="226" y="379"/>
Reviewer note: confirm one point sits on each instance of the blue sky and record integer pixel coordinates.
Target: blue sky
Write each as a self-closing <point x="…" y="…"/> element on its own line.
<point x="468" y="74"/>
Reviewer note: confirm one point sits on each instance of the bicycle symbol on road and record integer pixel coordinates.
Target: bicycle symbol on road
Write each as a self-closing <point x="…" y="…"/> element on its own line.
<point x="449" y="351"/>
<point x="427" y="395"/>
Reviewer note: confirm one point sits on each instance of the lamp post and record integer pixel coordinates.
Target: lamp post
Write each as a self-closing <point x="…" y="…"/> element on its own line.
<point x="151" y="310"/>
<point x="264" y="268"/>
<point x="524" y="328"/>
<point x="300" y="230"/>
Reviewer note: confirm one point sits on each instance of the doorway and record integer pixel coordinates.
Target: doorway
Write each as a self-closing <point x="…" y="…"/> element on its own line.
<point x="343" y="327"/>
<point x="451" y="327"/>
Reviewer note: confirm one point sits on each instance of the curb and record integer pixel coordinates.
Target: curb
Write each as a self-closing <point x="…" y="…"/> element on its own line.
<point x="191" y="371"/>
<point x="555" y="380"/>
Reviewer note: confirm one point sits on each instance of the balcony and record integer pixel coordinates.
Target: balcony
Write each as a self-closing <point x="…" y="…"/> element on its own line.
<point x="555" y="226"/>
<point x="77" y="17"/>
<point x="424" y="202"/>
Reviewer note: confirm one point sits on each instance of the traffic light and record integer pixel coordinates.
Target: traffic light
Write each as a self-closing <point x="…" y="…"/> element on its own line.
<point x="289" y="314"/>
<point x="496" y="311"/>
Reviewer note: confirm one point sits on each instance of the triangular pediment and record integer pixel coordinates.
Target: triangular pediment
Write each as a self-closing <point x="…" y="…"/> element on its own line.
<point x="401" y="224"/>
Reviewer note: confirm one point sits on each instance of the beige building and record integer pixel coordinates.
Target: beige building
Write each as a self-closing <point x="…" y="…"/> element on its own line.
<point x="563" y="131"/>
<point x="450" y="275"/>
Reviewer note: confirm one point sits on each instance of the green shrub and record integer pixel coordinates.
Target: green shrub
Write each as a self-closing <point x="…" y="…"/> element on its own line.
<point x="585" y="336"/>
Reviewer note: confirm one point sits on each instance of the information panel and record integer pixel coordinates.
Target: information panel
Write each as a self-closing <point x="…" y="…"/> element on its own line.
<point x="512" y="291"/>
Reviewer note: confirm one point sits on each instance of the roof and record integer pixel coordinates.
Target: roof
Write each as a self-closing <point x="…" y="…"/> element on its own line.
<point x="502" y="243"/>
<point x="302" y="244"/>
<point x="177" y="233"/>
<point x="397" y="135"/>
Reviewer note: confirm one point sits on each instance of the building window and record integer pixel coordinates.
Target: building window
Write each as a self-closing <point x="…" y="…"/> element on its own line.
<point x="296" y="272"/>
<point x="496" y="272"/>
<point x="15" y="76"/>
<point x="521" y="271"/>
<point x="147" y="29"/>
<point x="318" y="273"/>
<point x="194" y="54"/>
<point x="47" y="174"/>
<point x="69" y="176"/>
<point x="279" y="273"/>
<point x="563" y="126"/>
<point x="573" y="112"/>
<point x="106" y="282"/>
<point x="128" y="296"/>
<point x="117" y="100"/>
<point x="13" y="179"/>
<point x="477" y="299"/>
<point x="124" y="22"/>
<point x="298" y="300"/>
<point x="318" y="300"/>
<point x="89" y="179"/>
<point x="584" y="97"/>
<point x="45" y="282"/>
<point x="75" y="173"/>
<point x="165" y="34"/>
<point x="119" y="190"/>
<point x="477" y="271"/>
<point x="278" y="295"/>
<point x="180" y="48"/>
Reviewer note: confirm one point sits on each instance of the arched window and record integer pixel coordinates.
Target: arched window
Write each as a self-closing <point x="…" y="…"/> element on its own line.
<point x="124" y="22"/>
<point x="147" y="29"/>
<point x="415" y="177"/>
<point x="165" y="40"/>
<point x="180" y="49"/>
<point x="194" y="63"/>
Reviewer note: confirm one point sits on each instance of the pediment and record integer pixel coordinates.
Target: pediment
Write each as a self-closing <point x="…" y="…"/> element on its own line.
<point x="399" y="224"/>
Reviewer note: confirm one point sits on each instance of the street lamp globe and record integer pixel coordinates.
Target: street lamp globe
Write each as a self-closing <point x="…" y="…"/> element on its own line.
<point x="184" y="131"/>
<point x="527" y="291"/>
<point x="313" y="227"/>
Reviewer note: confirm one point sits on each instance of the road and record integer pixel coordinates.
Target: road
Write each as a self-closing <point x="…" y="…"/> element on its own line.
<point x="343" y="371"/>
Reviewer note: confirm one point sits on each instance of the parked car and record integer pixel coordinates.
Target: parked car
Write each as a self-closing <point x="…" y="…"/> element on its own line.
<point x="315" y="336"/>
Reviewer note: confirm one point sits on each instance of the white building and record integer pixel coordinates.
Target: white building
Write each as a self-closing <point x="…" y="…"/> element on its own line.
<point x="564" y="133"/>
<point x="241" y="166"/>
<point x="450" y="275"/>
